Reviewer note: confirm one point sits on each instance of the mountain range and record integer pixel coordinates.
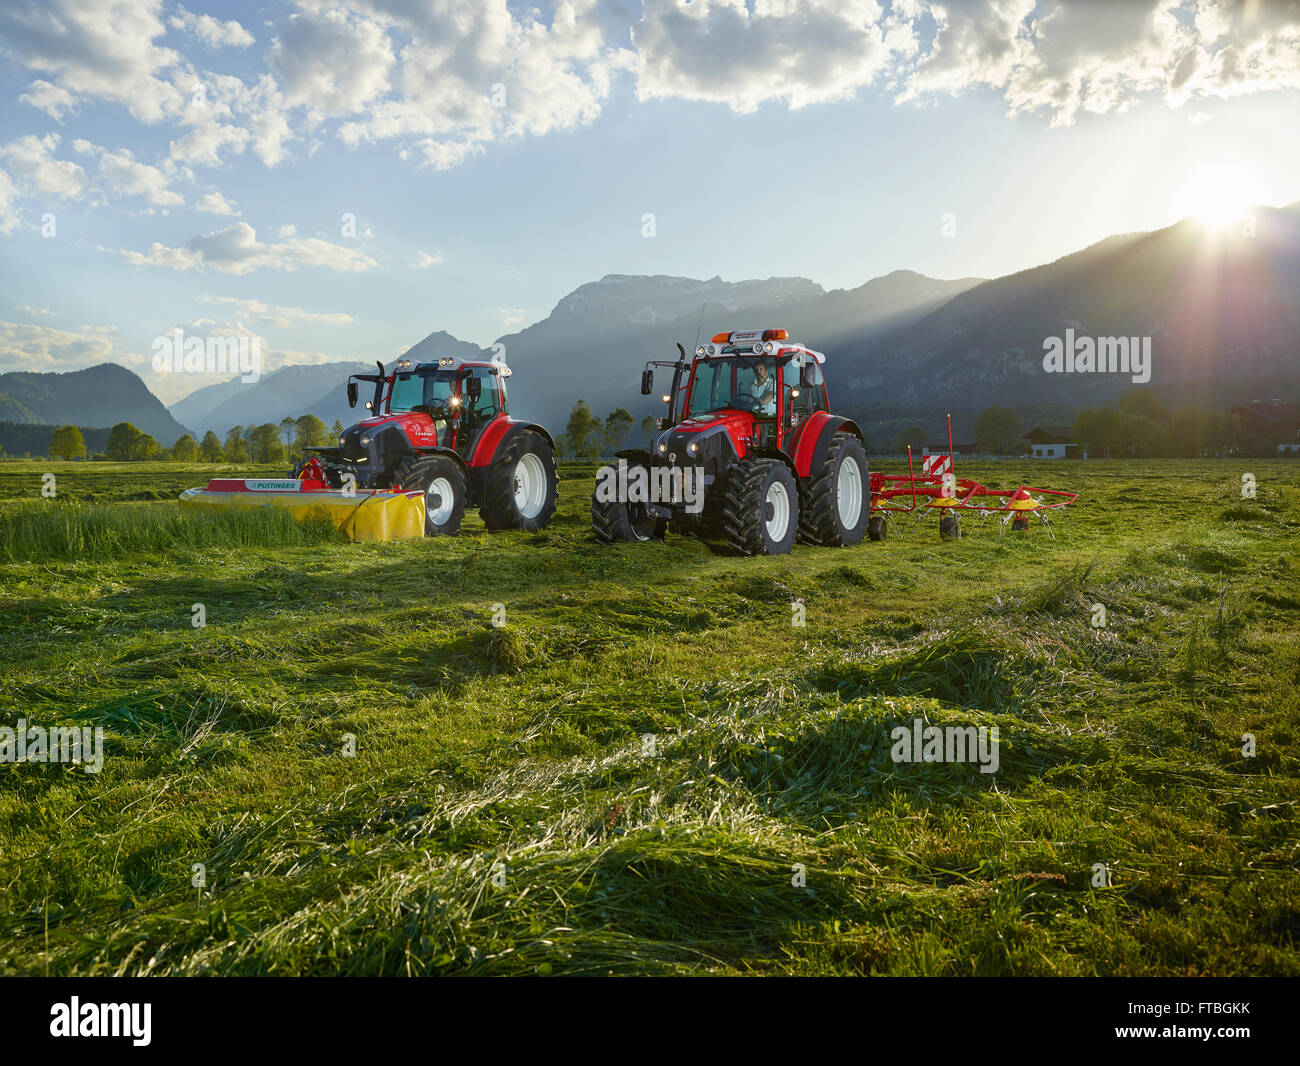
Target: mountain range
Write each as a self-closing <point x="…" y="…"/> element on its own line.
<point x="1221" y="309"/>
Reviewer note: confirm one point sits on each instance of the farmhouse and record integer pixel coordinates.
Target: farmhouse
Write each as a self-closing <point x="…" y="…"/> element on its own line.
<point x="1273" y="421"/>
<point x="1051" y="442"/>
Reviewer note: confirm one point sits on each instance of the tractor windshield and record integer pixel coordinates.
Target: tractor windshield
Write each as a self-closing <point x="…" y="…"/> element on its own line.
<point x="415" y="391"/>
<point x="732" y="382"/>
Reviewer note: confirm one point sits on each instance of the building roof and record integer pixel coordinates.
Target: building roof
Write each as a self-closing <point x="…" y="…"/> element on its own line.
<point x="1269" y="411"/>
<point x="1048" y="435"/>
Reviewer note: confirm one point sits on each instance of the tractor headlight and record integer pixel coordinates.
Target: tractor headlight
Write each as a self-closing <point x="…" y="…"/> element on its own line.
<point x="693" y="448"/>
<point x="699" y="350"/>
<point x="768" y="348"/>
<point x="365" y="441"/>
<point x="663" y="447"/>
<point x="758" y="348"/>
<point x="342" y="441"/>
<point x="712" y="350"/>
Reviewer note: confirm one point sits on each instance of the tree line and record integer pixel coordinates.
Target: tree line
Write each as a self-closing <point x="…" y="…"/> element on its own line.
<point x="267" y="443"/>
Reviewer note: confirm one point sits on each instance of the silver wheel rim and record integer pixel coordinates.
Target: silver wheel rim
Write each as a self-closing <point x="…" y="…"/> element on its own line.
<point x="848" y="493"/>
<point x="530" y="485"/>
<point x="779" y="500"/>
<point x="439" y="501"/>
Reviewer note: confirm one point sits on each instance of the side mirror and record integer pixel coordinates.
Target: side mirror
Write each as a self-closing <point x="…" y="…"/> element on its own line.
<point x="352" y="394"/>
<point x="647" y="381"/>
<point x="808" y="375"/>
<point x="474" y="386"/>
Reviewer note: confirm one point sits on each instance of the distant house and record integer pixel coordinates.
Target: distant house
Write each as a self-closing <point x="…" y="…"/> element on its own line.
<point x="1051" y="442"/>
<point x="942" y="448"/>
<point x="1272" y="420"/>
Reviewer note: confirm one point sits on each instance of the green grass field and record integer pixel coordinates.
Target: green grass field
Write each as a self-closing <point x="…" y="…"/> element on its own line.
<point x="648" y="768"/>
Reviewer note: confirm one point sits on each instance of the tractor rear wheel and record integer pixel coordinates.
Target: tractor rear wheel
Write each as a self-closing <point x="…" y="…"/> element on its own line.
<point x="521" y="485"/>
<point x="834" y="507"/>
<point x="760" y="509"/>
<point x="443" y="485"/>
<point x="612" y="520"/>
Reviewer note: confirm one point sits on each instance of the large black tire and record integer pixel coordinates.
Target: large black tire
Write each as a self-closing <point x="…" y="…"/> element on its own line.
<point x="522" y="485"/>
<point x="760" y="508"/>
<point x="612" y="520"/>
<point x="443" y="484"/>
<point x="834" y="505"/>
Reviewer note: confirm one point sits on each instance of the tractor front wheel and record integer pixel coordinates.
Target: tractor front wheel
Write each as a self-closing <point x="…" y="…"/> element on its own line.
<point x="612" y="520"/>
<point x="835" y="507"/>
<point x="521" y="485"/>
<point x="443" y="485"/>
<point x="760" y="509"/>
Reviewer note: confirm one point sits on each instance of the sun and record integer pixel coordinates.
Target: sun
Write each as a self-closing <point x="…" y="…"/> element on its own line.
<point x="1218" y="194"/>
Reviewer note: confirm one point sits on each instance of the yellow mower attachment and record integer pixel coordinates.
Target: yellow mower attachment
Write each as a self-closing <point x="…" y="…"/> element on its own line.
<point x="363" y="515"/>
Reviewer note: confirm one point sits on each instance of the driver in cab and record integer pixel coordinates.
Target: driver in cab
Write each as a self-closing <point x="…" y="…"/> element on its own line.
<point x="764" y="391"/>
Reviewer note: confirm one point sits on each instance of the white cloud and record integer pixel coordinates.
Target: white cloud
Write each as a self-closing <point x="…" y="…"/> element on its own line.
<point x="9" y="216"/>
<point x="281" y="317"/>
<point x="100" y="48"/>
<point x="1072" y="57"/>
<point x="211" y="31"/>
<point x="36" y="312"/>
<point x="799" y="51"/>
<point x="331" y="61"/>
<point x="31" y="160"/>
<point x="121" y="175"/>
<point x="215" y="204"/>
<point x="50" y="98"/>
<point x="423" y="260"/>
<point x="25" y="346"/>
<point x="236" y="250"/>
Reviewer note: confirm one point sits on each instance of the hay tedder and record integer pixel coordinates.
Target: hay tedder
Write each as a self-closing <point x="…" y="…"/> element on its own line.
<point x="438" y="439"/>
<point x="937" y="488"/>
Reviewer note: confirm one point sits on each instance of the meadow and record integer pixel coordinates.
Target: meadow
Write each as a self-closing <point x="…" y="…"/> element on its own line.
<point x="646" y="767"/>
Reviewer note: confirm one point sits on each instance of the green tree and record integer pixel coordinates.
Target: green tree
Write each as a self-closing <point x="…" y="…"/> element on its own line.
<point x="1142" y="401"/>
<point x="145" y="447"/>
<point x="186" y="449"/>
<point x="67" y="443"/>
<point x="288" y="427"/>
<point x="236" y="447"/>
<point x="915" y="436"/>
<point x="997" y="430"/>
<point x="264" y="443"/>
<point x="122" y="440"/>
<point x="336" y="431"/>
<point x="583" y="433"/>
<point x="617" y="426"/>
<point x="210" y="448"/>
<point x="309" y="432"/>
<point x="650" y="427"/>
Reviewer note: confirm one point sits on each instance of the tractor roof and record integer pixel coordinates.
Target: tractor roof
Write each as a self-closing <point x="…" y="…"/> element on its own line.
<point x="451" y="362"/>
<point x="755" y="342"/>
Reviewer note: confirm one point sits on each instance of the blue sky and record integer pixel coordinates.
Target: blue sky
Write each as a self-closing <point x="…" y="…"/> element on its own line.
<point x="198" y="159"/>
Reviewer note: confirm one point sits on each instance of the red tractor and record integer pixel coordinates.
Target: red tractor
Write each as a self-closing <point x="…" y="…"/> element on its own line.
<point x="442" y="428"/>
<point x="750" y="417"/>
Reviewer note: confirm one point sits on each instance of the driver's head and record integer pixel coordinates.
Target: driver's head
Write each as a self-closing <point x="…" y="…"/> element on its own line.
<point x="761" y="370"/>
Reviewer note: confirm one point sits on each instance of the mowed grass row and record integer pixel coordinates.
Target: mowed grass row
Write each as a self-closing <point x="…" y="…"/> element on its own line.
<point x="648" y="768"/>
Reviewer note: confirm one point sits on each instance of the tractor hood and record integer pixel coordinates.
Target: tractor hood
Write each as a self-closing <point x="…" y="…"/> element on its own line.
<point x="736" y="423"/>
<point x="418" y="427"/>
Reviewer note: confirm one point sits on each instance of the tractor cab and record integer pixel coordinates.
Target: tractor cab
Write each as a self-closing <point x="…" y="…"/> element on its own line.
<point x="451" y="400"/>
<point x="775" y="386"/>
